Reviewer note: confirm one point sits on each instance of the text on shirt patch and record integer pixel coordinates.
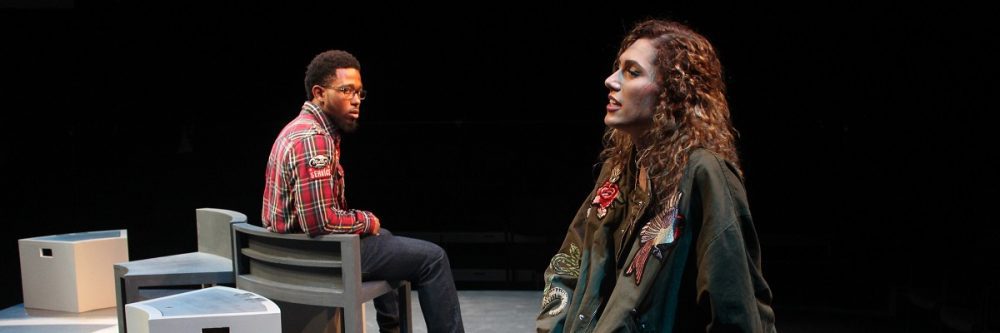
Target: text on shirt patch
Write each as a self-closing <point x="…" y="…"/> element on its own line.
<point x="325" y="172"/>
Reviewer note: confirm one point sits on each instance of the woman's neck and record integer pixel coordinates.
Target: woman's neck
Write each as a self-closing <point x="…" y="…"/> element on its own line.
<point x="638" y="157"/>
<point x="643" y="178"/>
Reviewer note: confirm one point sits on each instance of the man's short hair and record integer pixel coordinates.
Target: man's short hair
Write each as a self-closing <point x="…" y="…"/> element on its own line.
<point x="323" y="67"/>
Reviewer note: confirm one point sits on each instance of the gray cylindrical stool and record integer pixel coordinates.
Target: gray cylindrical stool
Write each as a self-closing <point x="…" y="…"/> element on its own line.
<point x="215" y="309"/>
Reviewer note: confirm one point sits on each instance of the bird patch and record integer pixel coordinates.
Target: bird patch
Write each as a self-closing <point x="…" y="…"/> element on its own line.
<point x="657" y="237"/>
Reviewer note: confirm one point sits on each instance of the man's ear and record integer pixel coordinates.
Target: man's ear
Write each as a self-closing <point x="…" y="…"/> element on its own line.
<point x="318" y="91"/>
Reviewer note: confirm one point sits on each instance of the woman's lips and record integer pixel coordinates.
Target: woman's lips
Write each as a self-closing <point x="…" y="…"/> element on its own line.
<point x="613" y="104"/>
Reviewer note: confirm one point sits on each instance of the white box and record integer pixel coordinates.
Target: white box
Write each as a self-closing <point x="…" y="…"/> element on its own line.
<point x="215" y="309"/>
<point x="71" y="272"/>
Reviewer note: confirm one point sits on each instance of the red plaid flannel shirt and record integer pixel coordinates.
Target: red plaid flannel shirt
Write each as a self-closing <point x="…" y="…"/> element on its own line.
<point x="304" y="189"/>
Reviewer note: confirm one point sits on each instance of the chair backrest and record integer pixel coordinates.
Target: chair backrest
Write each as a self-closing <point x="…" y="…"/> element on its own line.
<point x="295" y="268"/>
<point x="214" y="231"/>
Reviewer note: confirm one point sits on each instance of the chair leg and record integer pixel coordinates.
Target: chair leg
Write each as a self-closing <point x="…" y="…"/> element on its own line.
<point x="120" y="303"/>
<point x="405" y="313"/>
<point x="364" y="328"/>
<point x="336" y="321"/>
<point x="354" y="320"/>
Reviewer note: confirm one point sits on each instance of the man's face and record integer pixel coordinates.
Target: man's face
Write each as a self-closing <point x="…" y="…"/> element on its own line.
<point x="341" y="99"/>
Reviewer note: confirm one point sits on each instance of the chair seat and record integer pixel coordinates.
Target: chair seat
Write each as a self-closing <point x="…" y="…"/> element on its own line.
<point x="372" y="289"/>
<point x="195" y="262"/>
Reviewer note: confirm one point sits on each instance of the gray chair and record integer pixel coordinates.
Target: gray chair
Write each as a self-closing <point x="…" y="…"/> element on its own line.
<point x="310" y="278"/>
<point x="145" y="279"/>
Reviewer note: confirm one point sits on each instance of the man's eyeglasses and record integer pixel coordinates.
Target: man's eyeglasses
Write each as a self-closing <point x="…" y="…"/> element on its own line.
<point x="349" y="91"/>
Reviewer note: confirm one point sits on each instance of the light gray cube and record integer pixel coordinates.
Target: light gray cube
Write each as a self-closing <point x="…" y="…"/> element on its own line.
<point x="71" y="272"/>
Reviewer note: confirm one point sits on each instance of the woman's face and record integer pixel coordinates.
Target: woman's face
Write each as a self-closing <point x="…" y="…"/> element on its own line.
<point x="633" y="89"/>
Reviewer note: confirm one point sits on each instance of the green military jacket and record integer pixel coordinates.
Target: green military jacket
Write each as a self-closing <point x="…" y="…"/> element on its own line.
<point x="689" y="263"/>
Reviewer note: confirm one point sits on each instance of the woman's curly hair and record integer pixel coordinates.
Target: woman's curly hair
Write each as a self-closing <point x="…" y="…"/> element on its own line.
<point x="691" y="112"/>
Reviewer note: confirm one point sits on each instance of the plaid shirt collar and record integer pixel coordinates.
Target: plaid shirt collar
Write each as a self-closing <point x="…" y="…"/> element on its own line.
<point x="316" y="112"/>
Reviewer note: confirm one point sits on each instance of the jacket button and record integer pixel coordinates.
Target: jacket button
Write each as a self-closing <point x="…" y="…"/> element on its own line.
<point x="634" y="311"/>
<point x="581" y="317"/>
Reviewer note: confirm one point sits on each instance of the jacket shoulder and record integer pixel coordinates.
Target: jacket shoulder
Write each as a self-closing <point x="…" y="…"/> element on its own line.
<point x="705" y="163"/>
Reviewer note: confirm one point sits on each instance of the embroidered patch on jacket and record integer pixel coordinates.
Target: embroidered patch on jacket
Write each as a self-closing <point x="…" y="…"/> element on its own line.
<point x="554" y="302"/>
<point x="615" y="173"/>
<point x="656" y="238"/>
<point x="606" y="194"/>
<point x="566" y="264"/>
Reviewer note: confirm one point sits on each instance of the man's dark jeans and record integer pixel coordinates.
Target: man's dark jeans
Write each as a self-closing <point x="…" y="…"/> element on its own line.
<point x="425" y="265"/>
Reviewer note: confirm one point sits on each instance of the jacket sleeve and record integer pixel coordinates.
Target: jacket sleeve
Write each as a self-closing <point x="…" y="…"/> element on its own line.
<point x="564" y="271"/>
<point x="731" y="291"/>
<point x="318" y="201"/>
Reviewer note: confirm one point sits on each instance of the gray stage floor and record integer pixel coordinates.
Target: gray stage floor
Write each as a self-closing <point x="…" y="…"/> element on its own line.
<point x="482" y="311"/>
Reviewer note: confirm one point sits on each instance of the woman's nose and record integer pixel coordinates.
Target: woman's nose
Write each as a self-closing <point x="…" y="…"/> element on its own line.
<point x="612" y="82"/>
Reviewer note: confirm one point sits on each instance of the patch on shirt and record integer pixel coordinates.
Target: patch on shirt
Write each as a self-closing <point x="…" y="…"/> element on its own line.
<point x="319" y="161"/>
<point x="320" y="167"/>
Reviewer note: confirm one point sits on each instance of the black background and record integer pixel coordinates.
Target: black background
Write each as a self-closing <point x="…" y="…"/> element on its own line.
<point x="866" y="132"/>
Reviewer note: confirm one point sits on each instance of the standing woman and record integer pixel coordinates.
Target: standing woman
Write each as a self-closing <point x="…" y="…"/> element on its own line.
<point x="665" y="242"/>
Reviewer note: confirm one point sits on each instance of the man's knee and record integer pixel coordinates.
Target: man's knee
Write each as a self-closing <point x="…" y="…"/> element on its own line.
<point x="436" y="254"/>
